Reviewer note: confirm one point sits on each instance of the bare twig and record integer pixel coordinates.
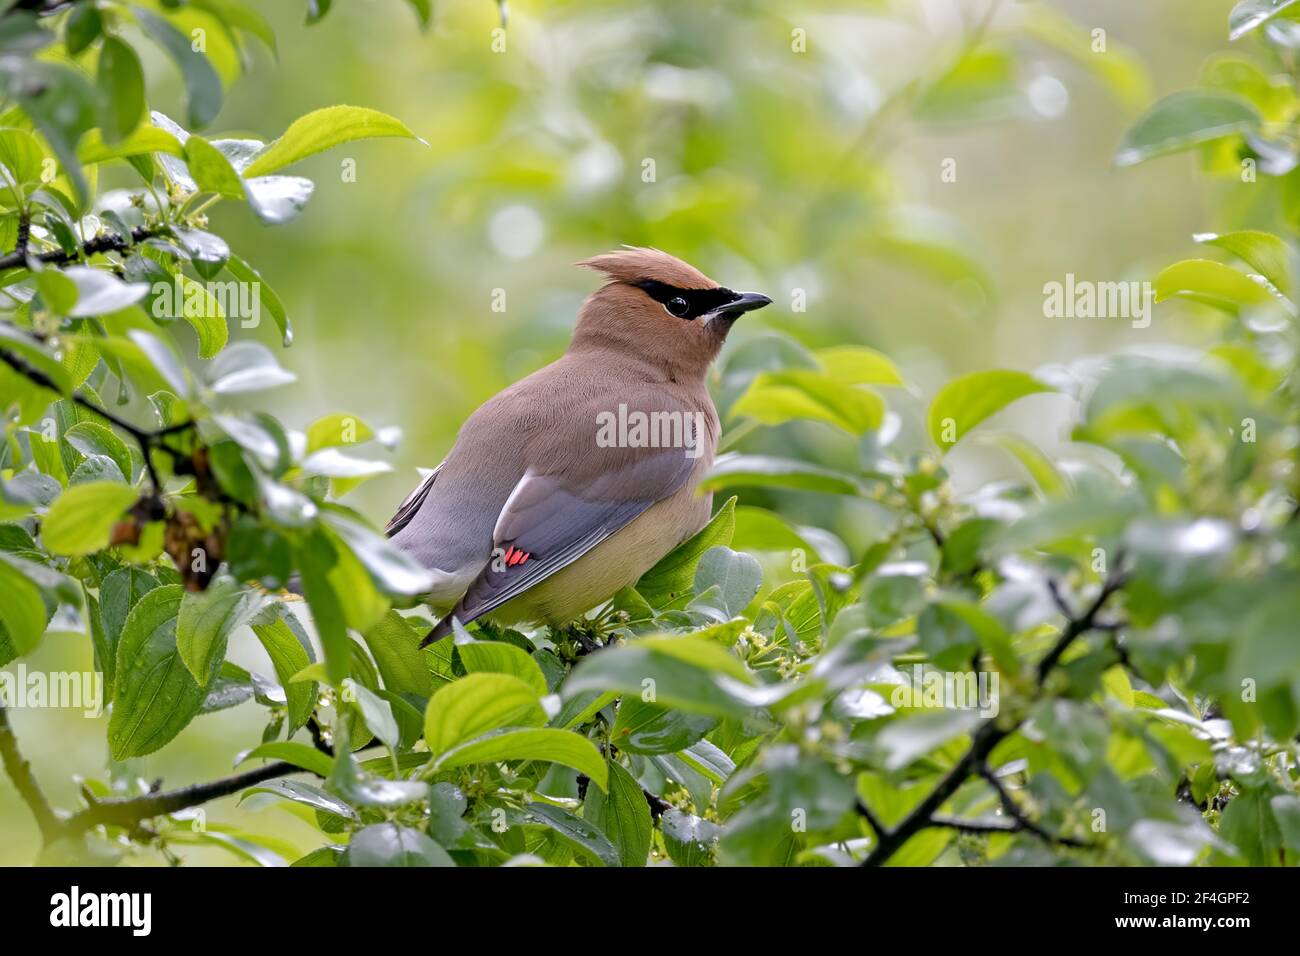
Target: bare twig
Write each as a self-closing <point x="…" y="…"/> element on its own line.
<point x="20" y="772"/>
<point x="148" y="439"/>
<point x="129" y="811"/>
<point x="987" y="736"/>
<point x="973" y="826"/>
<point x="109" y="242"/>
<point x="1018" y="817"/>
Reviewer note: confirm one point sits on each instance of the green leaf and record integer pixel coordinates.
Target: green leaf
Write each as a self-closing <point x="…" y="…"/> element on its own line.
<point x="992" y="636"/>
<point x="156" y="696"/>
<point x="858" y="365"/>
<point x="335" y="430"/>
<point x="377" y="713"/>
<point x="322" y="129"/>
<point x="686" y="672"/>
<point x="60" y="103"/>
<point x="909" y="738"/>
<point x="315" y="559"/>
<point x="674" y="574"/>
<point x="1183" y="120"/>
<point x="1248" y="823"/>
<point x="300" y="755"/>
<point x="1040" y="468"/>
<point x="243" y="272"/>
<point x="83" y="26"/>
<point x="286" y="643"/>
<point x="390" y="844"/>
<point x="278" y="199"/>
<point x="92" y="438"/>
<point x="476" y="704"/>
<point x="391" y="569"/>
<point x="246" y="367"/>
<point x="727" y="579"/>
<point x="144" y="140"/>
<point x="305" y="794"/>
<point x="645" y="728"/>
<point x="966" y="401"/>
<point x="1249" y="14"/>
<point x="765" y="471"/>
<point x="100" y="292"/>
<point x="423" y="11"/>
<point x="395" y="646"/>
<point x="206" y="621"/>
<point x="1269" y="255"/>
<point x="202" y="84"/>
<point x="1214" y="284"/>
<point x="22" y="611"/>
<point x="581" y="834"/>
<point x="121" y="90"/>
<point x="120" y="591"/>
<point x="690" y="840"/>
<point x="622" y="814"/>
<point x="497" y="657"/>
<point x="528" y="743"/>
<point x="81" y="519"/>
<point x="20" y="341"/>
<point x="22" y="157"/>
<point x="367" y="790"/>
<point x="211" y="170"/>
<point x="774" y="398"/>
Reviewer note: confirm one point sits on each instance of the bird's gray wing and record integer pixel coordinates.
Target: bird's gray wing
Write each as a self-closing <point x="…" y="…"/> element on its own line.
<point x="551" y="520"/>
<point x="408" y="508"/>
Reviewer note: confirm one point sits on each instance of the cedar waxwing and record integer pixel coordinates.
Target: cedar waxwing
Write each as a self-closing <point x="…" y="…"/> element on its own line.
<point x="572" y="483"/>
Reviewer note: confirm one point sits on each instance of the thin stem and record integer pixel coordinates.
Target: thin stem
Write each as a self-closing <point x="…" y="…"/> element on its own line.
<point x="1017" y="815"/>
<point x="147" y="439"/>
<point x="111" y="242"/>
<point x="20" y="772"/>
<point x="987" y="736"/>
<point x="129" y="811"/>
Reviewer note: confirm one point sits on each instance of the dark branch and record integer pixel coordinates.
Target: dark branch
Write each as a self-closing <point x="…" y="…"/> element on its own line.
<point x="109" y="242"/>
<point x="987" y="736"/>
<point x="148" y="439"/>
<point x="20" y="772"/>
<point x="873" y="821"/>
<point x="129" y="811"/>
<point x="1020" y="820"/>
<point x="973" y="826"/>
<point x="1079" y="624"/>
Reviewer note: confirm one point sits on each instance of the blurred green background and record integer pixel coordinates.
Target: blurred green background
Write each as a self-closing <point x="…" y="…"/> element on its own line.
<point x="774" y="170"/>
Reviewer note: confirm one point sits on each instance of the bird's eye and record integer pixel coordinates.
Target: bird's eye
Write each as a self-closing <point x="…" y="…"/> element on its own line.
<point x="678" y="306"/>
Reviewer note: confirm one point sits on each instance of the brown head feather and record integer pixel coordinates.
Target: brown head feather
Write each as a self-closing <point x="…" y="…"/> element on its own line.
<point x="637" y="263"/>
<point x="621" y="322"/>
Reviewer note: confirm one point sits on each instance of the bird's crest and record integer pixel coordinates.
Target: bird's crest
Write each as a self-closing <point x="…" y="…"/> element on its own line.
<point x="635" y="264"/>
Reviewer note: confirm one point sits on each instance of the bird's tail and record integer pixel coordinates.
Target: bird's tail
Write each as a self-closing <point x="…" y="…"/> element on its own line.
<point x="440" y="630"/>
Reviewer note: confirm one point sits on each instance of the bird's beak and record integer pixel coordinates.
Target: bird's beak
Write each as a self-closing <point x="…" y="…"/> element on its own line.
<point x="747" y="302"/>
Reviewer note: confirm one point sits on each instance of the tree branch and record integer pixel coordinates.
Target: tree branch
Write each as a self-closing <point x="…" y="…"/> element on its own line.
<point x="973" y="826"/>
<point x="1020" y="820"/>
<point x="988" y="735"/>
<point x="147" y="439"/>
<point x="129" y="811"/>
<point x="20" y="772"/>
<point x="109" y="242"/>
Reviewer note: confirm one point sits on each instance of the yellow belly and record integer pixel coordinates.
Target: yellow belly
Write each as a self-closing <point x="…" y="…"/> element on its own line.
<point x="613" y="564"/>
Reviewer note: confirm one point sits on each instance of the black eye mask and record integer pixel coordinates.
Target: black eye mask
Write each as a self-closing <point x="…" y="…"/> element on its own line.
<point x="698" y="302"/>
